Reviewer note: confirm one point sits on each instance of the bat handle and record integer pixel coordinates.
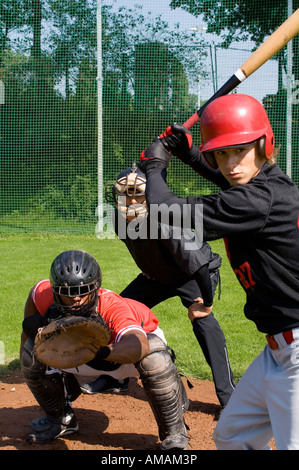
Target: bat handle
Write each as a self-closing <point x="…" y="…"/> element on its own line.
<point x="231" y="83"/>
<point x="192" y="120"/>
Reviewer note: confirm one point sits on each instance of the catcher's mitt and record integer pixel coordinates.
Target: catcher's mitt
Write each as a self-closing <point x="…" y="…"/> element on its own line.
<point x="70" y="341"/>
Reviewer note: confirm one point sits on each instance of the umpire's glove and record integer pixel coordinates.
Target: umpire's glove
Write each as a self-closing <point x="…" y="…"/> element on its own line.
<point x="154" y="156"/>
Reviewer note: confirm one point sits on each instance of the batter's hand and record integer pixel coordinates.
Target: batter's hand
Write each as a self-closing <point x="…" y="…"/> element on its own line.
<point x="177" y="139"/>
<point x="155" y="155"/>
<point x="198" y="310"/>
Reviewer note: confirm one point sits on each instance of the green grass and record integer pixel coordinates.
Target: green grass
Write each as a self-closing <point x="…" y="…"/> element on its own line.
<point x="25" y="259"/>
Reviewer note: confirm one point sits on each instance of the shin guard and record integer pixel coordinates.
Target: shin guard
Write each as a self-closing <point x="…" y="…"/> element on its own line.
<point x="48" y="390"/>
<point x="163" y="386"/>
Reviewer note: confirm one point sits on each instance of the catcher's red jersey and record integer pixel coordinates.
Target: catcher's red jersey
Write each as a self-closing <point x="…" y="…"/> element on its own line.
<point x="121" y="315"/>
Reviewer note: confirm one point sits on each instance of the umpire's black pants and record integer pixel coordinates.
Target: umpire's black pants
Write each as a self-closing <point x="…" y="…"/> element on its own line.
<point x="207" y="330"/>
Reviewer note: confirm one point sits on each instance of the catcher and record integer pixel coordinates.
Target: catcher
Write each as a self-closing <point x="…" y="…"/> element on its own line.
<point x="72" y="328"/>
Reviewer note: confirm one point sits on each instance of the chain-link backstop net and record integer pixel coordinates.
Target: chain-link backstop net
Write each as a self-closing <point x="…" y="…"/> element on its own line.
<point x="86" y="85"/>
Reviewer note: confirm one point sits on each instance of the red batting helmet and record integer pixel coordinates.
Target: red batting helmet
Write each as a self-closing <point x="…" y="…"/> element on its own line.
<point x="234" y="120"/>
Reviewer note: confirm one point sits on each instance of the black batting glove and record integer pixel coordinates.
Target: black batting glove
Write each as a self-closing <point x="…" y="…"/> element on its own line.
<point x="177" y="139"/>
<point x="154" y="156"/>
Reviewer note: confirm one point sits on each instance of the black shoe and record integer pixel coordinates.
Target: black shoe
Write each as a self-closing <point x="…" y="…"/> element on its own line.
<point x="105" y="383"/>
<point x="178" y="441"/>
<point x="48" y="428"/>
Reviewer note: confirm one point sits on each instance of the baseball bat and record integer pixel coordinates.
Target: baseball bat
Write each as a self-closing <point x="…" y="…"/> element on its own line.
<point x="281" y="36"/>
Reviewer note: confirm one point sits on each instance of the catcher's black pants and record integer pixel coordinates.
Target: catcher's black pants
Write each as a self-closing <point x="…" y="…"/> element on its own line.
<point x="207" y="330"/>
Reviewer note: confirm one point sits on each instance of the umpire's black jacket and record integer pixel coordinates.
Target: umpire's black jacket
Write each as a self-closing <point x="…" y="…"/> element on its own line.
<point x="167" y="258"/>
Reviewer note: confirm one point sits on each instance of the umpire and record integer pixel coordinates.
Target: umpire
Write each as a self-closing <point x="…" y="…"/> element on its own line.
<point x="169" y="269"/>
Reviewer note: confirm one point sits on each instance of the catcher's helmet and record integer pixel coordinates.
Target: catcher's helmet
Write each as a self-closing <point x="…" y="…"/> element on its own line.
<point x="130" y="182"/>
<point x="234" y="120"/>
<point x="75" y="273"/>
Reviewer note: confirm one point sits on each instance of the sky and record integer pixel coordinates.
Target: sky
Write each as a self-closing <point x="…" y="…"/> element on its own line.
<point x="263" y="82"/>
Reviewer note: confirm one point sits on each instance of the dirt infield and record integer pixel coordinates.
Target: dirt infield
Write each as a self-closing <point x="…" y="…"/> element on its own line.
<point x="107" y="421"/>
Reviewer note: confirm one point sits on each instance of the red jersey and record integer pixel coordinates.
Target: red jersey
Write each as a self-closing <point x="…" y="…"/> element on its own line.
<point x="120" y="314"/>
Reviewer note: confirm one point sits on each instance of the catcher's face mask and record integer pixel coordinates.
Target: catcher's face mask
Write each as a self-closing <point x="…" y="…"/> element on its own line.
<point x="75" y="304"/>
<point x="74" y="291"/>
<point x="127" y="193"/>
<point x="75" y="301"/>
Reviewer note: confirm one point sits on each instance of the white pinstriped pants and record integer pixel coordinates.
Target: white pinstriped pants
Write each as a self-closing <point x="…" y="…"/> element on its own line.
<point x="265" y="402"/>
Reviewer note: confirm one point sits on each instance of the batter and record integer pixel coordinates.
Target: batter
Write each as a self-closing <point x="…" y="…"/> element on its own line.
<point x="257" y="215"/>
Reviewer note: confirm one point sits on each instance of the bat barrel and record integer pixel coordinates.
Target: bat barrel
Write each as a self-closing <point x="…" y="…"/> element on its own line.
<point x="273" y="44"/>
<point x="268" y="49"/>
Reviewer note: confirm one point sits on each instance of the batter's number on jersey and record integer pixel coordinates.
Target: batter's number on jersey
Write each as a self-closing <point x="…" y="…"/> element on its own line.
<point x="244" y="275"/>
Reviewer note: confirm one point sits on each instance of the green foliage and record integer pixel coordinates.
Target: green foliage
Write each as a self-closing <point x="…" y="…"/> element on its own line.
<point x="240" y="20"/>
<point x="49" y="122"/>
<point x="49" y="130"/>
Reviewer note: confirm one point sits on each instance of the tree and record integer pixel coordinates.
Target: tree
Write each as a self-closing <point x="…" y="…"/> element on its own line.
<point x="48" y="137"/>
<point x="72" y="37"/>
<point x="242" y="20"/>
<point x="13" y="15"/>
